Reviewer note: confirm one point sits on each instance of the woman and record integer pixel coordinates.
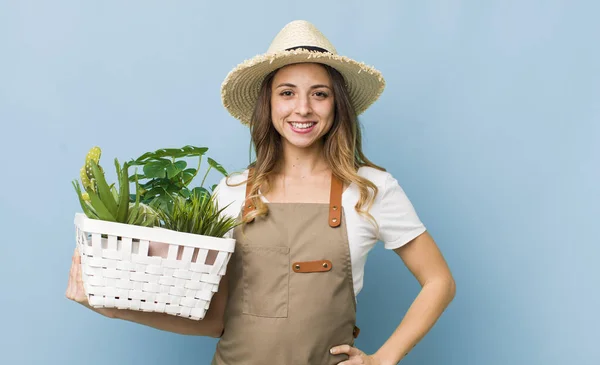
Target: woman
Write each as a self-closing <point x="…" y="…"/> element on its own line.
<point x="312" y="207"/>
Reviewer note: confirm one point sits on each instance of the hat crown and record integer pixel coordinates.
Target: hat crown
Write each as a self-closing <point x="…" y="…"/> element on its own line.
<point x="300" y="33"/>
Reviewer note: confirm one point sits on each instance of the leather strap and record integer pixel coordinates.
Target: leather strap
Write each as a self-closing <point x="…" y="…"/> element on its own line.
<point x="312" y="266"/>
<point x="335" y="202"/>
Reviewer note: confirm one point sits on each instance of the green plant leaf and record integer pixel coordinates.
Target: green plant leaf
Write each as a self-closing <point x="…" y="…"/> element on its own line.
<point x="123" y="200"/>
<point x="156" y="169"/>
<point x="133" y="214"/>
<point x="135" y="206"/>
<point x="138" y="176"/>
<point x="153" y="183"/>
<point x="186" y="151"/>
<point x="104" y="192"/>
<point x="198" y="215"/>
<point x="143" y="215"/>
<point x="173" y="188"/>
<point x="185" y="192"/>
<point x="133" y="162"/>
<point x="191" y="151"/>
<point x="181" y="165"/>
<point x="172" y="170"/>
<point x="167" y="152"/>
<point x="87" y="210"/>
<point x="212" y="188"/>
<point x="115" y="195"/>
<point x="217" y="166"/>
<point x="163" y="203"/>
<point x="99" y="207"/>
<point x="200" y="191"/>
<point x="188" y="175"/>
<point x="154" y="192"/>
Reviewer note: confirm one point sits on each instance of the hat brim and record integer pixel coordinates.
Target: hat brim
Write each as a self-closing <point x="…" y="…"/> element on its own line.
<point x="241" y="87"/>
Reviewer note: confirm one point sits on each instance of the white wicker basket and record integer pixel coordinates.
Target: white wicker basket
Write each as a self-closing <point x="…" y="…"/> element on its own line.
<point x="119" y="269"/>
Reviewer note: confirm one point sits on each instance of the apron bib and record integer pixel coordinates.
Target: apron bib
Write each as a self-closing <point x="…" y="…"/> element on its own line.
<point x="291" y="293"/>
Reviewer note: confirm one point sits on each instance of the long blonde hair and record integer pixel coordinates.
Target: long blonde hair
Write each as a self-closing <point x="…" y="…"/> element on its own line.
<point x="342" y="147"/>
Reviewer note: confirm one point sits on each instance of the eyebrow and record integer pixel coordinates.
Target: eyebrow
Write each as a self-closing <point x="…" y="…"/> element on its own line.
<point x="312" y="87"/>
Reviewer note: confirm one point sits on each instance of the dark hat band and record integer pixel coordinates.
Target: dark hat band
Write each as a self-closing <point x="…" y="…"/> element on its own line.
<point x="309" y="48"/>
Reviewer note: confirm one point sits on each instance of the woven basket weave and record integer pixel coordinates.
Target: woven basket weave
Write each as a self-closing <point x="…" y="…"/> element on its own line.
<point x="119" y="270"/>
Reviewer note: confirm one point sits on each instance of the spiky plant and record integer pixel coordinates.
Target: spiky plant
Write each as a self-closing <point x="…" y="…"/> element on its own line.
<point x="198" y="214"/>
<point x="101" y="201"/>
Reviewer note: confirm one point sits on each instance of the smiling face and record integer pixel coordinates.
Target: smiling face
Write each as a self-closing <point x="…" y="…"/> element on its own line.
<point x="302" y="104"/>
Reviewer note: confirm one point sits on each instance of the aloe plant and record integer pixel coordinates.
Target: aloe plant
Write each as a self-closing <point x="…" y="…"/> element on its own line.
<point x="102" y="201"/>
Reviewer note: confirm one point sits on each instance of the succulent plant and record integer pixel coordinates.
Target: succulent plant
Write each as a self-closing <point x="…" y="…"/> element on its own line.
<point x="166" y="200"/>
<point x="101" y="201"/>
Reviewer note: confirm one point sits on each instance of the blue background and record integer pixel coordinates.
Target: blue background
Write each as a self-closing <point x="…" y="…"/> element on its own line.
<point x="490" y="121"/>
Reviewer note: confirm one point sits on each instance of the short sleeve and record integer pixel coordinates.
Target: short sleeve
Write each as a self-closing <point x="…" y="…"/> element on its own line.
<point x="218" y="193"/>
<point x="396" y="216"/>
<point x="224" y="199"/>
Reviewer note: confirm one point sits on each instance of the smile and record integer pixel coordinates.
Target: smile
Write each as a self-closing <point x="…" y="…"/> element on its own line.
<point x="302" y="125"/>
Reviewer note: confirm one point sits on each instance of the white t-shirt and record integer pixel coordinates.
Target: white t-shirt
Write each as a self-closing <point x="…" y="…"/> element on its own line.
<point x="397" y="219"/>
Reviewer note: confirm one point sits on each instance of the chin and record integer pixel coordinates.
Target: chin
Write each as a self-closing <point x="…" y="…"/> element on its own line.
<point x="300" y="143"/>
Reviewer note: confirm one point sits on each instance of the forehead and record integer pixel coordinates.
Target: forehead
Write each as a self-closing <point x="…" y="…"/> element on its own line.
<point x="308" y="72"/>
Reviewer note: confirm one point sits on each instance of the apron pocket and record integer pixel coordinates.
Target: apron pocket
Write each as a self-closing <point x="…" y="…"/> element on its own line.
<point x="265" y="280"/>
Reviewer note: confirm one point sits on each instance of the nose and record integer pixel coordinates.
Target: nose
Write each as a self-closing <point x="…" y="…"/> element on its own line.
<point x="303" y="106"/>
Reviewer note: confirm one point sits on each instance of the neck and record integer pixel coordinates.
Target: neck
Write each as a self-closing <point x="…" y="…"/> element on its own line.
<point x="300" y="162"/>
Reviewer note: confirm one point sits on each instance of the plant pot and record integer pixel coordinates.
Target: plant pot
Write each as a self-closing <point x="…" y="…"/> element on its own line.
<point x="150" y="269"/>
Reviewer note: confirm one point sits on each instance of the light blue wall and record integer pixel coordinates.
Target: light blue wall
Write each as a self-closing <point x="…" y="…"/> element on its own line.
<point x="490" y="121"/>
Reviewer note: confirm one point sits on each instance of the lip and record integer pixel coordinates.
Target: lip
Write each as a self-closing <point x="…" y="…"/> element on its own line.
<point x="302" y="131"/>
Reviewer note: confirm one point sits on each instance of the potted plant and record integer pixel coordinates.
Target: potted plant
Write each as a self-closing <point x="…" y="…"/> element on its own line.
<point x="160" y="249"/>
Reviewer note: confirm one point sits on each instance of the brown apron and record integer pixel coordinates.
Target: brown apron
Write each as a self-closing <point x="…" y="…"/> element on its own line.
<point x="291" y="294"/>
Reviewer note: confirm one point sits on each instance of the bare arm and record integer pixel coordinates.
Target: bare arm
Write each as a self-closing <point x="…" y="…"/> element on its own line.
<point x="425" y="261"/>
<point x="211" y="325"/>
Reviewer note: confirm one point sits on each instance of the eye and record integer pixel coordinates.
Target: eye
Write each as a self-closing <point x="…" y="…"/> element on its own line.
<point x="286" y="93"/>
<point x="321" y="94"/>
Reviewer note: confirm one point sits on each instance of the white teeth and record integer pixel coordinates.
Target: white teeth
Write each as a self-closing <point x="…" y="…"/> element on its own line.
<point x="302" y="125"/>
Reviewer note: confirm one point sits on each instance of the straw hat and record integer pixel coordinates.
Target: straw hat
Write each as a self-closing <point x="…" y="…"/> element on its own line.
<point x="299" y="41"/>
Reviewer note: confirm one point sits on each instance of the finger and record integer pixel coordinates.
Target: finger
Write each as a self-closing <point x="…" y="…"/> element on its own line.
<point x="68" y="290"/>
<point x="80" y="293"/>
<point x="345" y="349"/>
<point x="71" y="282"/>
<point x="76" y="273"/>
<point x="77" y="257"/>
<point x="74" y="276"/>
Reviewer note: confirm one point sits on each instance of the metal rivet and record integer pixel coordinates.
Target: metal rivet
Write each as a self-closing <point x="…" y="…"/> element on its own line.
<point x="334" y="220"/>
<point x="325" y="264"/>
<point x="335" y="207"/>
<point x="297" y="267"/>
